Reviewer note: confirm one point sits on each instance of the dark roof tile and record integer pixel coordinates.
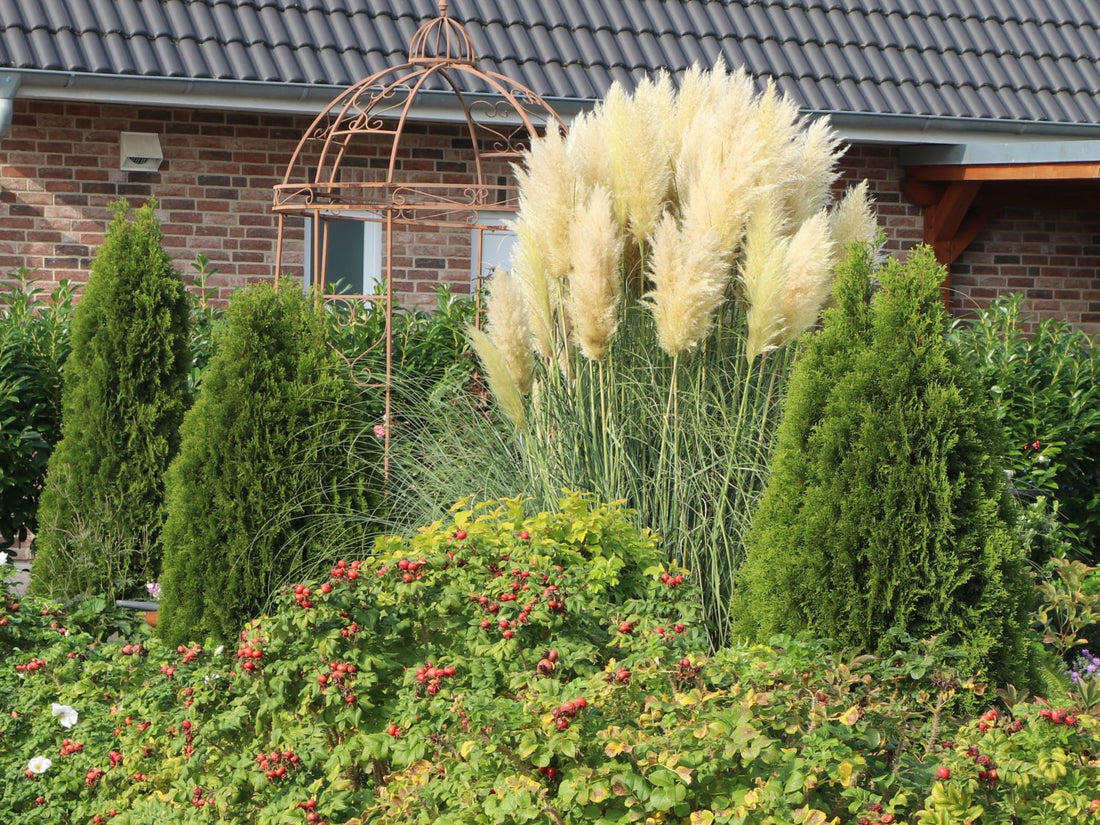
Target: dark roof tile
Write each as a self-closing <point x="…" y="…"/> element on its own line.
<point x="998" y="59"/>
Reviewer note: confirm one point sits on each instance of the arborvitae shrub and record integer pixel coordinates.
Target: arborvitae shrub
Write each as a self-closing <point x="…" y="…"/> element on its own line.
<point x="886" y="507"/>
<point x="124" y="394"/>
<point x="264" y="486"/>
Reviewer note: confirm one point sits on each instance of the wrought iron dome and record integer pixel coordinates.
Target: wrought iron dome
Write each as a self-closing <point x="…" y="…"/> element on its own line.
<point x="497" y="115"/>
<point x="356" y="161"/>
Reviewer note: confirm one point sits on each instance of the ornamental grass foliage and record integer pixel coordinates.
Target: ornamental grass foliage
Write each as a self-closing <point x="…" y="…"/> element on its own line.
<point x="886" y="508"/>
<point x="261" y="488"/>
<point x="124" y="394"/>
<point x="670" y="247"/>
<point x="500" y="668"/>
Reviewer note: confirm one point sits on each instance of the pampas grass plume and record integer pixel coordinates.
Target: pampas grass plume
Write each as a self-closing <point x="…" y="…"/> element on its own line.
<point x="528" y="270"/>
<point x="595" y="288"/>
<point x="810" y="180"/>
<point x="548" y="191"/>
<point x="506" y="325"/>
<point x="689" y="277"/>
<point x="808" y="263"/>
<point x="763" y="268"/>
<point x="853" y="220"/>
<point x="497" y="375"/>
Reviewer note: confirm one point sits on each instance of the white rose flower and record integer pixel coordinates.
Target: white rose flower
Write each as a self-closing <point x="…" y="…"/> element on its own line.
<point x="39" y="764"/>
<point x="65" y="715"/>
<point x="3" y="558"/>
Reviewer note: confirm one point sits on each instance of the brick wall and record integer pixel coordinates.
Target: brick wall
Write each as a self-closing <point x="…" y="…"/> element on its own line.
<point x="1051" y="256"/>
<point x="59" y="171"/>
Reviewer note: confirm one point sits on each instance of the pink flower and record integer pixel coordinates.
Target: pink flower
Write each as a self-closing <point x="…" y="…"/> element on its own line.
<point x="380" y="431"/>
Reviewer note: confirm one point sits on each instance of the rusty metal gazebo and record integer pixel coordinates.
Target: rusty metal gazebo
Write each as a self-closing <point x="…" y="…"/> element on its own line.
<point x="499" y="116"/>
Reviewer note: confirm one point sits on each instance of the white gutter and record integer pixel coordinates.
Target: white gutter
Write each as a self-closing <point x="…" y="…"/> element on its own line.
<point x="9" y="85"/>
<point x="304" y="98"/>
<point x="235" y="95"/>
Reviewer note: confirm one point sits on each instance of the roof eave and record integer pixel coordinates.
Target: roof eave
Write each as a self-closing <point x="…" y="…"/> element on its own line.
<point x="310" y="99"/>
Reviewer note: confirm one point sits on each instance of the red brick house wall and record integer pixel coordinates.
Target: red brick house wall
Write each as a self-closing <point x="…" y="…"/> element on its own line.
<point x="59" y="170"/>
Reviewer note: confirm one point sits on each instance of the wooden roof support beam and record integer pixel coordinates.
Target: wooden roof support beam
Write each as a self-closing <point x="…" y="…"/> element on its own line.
<point x="949" y="225"/>
<point x="1079" y="170"/>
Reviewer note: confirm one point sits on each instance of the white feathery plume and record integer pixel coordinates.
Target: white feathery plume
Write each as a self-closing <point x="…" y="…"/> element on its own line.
<point x="813" y="171"/>
<point x="595" y="287"/>
<point x="853" y="220"/>
<point x="528" y="269"/>
<point x="548" y="193"/>
<point x="762" y="272"/>
<point x="506" y="325"/>
<point x="500" y="381"/>
<point x="808" y="265"/>
<point x="689" y="277"/>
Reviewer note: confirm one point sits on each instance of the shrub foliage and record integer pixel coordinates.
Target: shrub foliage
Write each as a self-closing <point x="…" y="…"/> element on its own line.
<point x="1046" y="390"/>
<point x="125" y="390"/>
<point x="886" y="508"/>
<point x="253" y="496"/>
<point x="34" y="343"/>
<point x="413" y="688"/>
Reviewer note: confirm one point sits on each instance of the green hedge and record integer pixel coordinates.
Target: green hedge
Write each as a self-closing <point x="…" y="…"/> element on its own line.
<point x="886" y="508"/>
<point x="264" y="485"/>
<point x="125" y="390"/>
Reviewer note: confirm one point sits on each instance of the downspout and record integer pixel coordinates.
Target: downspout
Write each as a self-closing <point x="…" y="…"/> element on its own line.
<point x="9" y="85"/>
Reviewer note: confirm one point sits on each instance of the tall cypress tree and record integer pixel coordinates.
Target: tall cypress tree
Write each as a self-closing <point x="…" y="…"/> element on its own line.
<point x="124" y="394"/>
<point x="263" y="486"/>
<point x="886" y="507"/>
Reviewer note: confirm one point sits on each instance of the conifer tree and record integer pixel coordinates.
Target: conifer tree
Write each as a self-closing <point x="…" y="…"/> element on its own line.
<point x="886" y="507"/>
<point x="123" y="398"/>
<point x="261" y="488"/>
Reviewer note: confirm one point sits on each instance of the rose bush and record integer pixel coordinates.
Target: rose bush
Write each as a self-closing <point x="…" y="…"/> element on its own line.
<point x="506" y="667"/>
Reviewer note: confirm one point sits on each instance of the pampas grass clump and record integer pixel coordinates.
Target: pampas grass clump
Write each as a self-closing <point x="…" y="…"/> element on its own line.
<point x="670" y="247"/>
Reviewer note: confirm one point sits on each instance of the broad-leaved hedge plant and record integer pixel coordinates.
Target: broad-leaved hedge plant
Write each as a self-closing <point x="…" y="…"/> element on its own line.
<point x="504" y="668"/>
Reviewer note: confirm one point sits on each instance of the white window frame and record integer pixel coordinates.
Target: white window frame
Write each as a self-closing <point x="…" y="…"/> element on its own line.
<point x="372" y="249"/>
<point x="503" y="240"/>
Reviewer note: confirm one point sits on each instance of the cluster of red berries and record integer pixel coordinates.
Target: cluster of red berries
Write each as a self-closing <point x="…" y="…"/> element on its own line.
<point x="343" y="570"/>
<point x="250" y="653"/>
<point x="432" y="677"/>
<point x="275" y="764"/>
<point x="551" y="593"/>
<point x="566" y="711"/>
<point x="411" y="570"/>
<point x="393" y="730"/>
<point x="880" y="816"/>
<point x="168" y="670"/>
<point x="137" y="649"/>
<point x="199" y="799"/>
<point x="1057" y="716"/>
<point x="548" y="772"/>
<point x="547" y="663"/>
<point x="987" y="770"/>
<point x="31" y="666"/>
<point x="339" y="674"/>
<point x="310" y="807"/>
<point x="988" y="720"/>
<point x="672" y="581"/>
<point x="140" y="777"/>
<point x="349" y="631"/>
<point x="59" y="628"/>
<point x="70" y="746"/>
<point x="115" y="758"/>
<point x="92" y="777"/>
<point x="99" y="820"/>
<point x="189" y="654"/>
<point x="302" y="596"/>
<point x="622" y="676"/>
